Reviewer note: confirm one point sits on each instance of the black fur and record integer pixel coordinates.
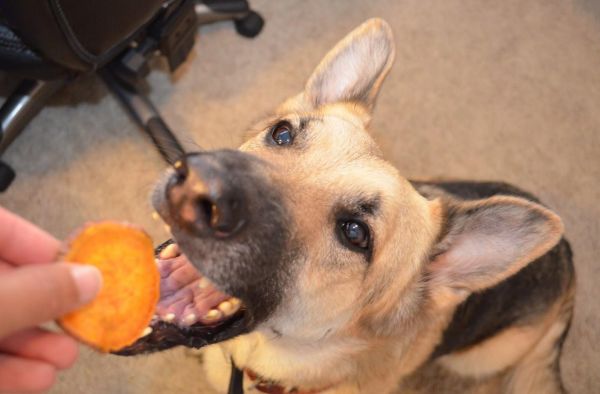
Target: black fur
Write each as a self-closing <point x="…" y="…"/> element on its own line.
<point x="515" y="301"/>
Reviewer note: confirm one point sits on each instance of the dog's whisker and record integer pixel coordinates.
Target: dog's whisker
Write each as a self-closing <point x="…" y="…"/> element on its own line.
<point x="166" y="143"/>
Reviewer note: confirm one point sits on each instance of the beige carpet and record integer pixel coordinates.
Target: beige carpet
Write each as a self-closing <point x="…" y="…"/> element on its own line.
<point x="505" y="90"/>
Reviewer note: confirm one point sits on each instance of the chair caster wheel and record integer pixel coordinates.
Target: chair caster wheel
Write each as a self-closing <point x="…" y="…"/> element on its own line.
<point x="7" y="175"/>
<point x="250" y="25"/>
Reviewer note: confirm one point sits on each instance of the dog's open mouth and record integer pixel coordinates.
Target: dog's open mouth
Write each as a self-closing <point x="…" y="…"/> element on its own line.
<point x="191" y="311"/>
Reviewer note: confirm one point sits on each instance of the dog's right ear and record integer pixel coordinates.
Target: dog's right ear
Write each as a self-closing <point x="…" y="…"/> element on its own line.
<point x="486" y="241"/>
<point x="355" y="68"/>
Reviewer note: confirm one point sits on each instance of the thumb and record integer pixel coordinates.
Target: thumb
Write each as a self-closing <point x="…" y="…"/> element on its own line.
<point x="34" y="294"/>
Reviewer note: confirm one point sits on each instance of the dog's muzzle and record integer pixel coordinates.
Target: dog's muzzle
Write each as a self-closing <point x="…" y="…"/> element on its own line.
<point x="225" y="272"/>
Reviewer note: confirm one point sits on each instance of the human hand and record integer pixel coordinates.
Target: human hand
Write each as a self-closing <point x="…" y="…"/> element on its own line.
<point x="34" y="290"/>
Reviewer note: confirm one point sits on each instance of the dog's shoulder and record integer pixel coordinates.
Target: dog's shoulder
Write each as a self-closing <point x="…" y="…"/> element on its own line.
<point x="526" y="295"/>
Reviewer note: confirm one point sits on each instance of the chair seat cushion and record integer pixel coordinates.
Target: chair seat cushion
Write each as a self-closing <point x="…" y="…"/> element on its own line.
<point x="17" y="57"/>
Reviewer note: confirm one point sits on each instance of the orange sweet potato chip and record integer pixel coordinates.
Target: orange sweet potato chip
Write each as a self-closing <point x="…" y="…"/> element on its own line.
<point x="118" y="316"/>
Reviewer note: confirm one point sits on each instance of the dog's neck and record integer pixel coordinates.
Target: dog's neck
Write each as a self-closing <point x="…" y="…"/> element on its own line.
<point x="272" y="366"/>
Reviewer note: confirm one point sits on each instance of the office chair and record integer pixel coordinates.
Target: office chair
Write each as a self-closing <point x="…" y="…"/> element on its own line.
<point x="48" y="44"/>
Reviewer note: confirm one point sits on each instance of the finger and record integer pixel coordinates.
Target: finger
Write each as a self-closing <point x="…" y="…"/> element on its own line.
<point x="18" y="375"/>
<point x="56" y="349"/>
<point x="24" y="243"/>
<point x="4" y="266"/>
<point x="34" y="294"/>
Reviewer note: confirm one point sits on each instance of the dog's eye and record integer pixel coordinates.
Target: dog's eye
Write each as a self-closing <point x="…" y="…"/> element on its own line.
<point x="355" y="233"/>
<point x="281" y="133"/>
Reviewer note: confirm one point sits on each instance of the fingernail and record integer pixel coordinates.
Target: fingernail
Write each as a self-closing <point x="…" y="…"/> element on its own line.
<point x="88" y="281"/>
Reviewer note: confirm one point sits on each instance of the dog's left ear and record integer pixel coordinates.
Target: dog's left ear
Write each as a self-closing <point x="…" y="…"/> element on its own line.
<point x="486" y="241"/>
<point x="355" y="68"/>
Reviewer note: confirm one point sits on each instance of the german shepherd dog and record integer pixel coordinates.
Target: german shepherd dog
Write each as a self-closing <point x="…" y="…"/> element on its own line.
<point x="320" y="269"/>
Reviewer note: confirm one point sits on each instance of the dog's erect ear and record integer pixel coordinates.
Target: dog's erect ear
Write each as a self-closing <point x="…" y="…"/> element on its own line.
<point x="355" y="68"/>
<point x="486" y="241"/>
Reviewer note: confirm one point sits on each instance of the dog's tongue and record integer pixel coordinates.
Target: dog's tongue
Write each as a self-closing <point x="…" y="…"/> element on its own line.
<point x="186" y="297"/>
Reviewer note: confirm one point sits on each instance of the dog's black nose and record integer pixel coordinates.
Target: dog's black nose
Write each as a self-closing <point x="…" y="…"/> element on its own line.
<point x="203" y="197"/>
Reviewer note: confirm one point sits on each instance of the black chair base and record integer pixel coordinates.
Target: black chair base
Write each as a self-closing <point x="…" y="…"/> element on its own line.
<point x="22" y="105"/>
<point x="143" y="112"/>
<point x="250" y="25"/>
<point x="18" y="110"/>
<point x="7" y="175"/>
<point x="123" y="76"/>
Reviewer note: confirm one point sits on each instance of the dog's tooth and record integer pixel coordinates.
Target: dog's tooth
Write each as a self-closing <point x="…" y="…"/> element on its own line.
<point x="147" y="331"/>
<point x="228" y="308"/>
<point x="225" y="307"/>
<point x="213" y="314"/>
<point x="169" y="252"/>
<point x="155" y="215"/>
<point x="190" y="319"/>
<point x="168" y="228"/>
<point x="204" y="283"/>
<point x="235" y="302"/>
<point x="169" y="317"/>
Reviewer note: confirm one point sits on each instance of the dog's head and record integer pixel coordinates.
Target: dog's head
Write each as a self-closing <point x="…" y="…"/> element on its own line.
<point x="317" y="234"/>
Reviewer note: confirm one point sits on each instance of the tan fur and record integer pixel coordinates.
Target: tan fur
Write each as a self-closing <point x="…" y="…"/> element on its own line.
<point x="362" y="328"/>
<point x="536" y="371"/>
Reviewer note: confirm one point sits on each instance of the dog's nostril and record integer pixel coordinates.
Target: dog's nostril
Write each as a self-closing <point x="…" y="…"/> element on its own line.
<point x="222" y="216"/>
<point x="208" y="212"/>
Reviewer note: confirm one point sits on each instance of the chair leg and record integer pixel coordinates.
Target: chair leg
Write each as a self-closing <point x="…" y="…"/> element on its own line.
<point x="17" y="111"/>
<point x="248" y="23"/>
<point x="22" y="106"/>
<point x="146" y="116"/>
